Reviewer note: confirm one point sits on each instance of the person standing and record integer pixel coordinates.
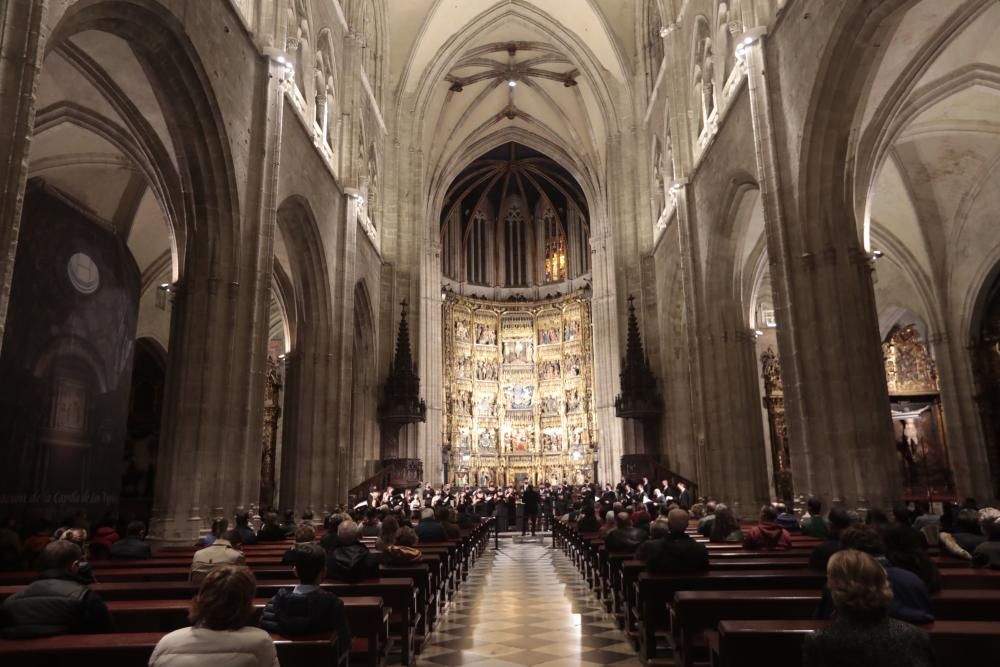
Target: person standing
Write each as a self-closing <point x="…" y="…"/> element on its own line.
<point x="530" y="500"/>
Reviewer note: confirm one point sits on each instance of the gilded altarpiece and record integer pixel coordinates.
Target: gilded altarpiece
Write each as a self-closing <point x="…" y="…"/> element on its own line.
<point x="917" y="416"/>
<point x="519" y="390"/>
<point x="774" y="403"/>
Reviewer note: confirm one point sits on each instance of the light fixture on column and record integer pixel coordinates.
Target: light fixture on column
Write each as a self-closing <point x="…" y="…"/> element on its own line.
<point x="877" y="254"/>
<point x="512" y="83"/>
<point x="355" y="194"/>
<point x="166" y="287"/>
<point x="748" y="39"/>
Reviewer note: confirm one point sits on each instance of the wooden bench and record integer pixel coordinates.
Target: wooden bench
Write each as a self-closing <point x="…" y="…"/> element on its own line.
<point x="745" y="643"/>
<point x="135" y="649"/>
<point x="693" y="613"/>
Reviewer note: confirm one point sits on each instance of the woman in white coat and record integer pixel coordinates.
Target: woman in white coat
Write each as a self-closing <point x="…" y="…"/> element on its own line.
<point x="220" y="633"/>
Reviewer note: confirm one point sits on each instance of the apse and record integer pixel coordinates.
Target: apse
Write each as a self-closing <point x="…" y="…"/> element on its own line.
<point x="515" y="219"/>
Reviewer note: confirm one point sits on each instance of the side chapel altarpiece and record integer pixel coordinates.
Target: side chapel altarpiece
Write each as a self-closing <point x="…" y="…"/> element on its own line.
<point x="519" y="390"/>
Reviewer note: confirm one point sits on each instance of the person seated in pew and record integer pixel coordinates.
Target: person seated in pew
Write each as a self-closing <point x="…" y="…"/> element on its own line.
<point x="133" y="546"/>
<point x="243" y="527"/>
<point x="451" y="529"/>
<point x="351" y="560"/>
<point x="813" y="524"/>
<point x="331" y="523"/>
<point x="372" y="526"/>
<point x="35" y="543"/>
<point x="964" y="535"/>
<point x="705" y="522"/>
<point x="785" y="518"/>
<point x="404" y="549"/>
<point x="676" y="552"/>
<point x="586" y="521"/>
<point x="987" y="554"/>
<point x="304" y="534"/>
<point x="624" y="537"/>
<point x="906" y="549"/>
<point x="221" y="632"/>
<point x="78" y="536"/>
<point x="767" y="535"/>
<point x="725" y="526"/>
<point x="863" y="633"/>
<point x="271" y="531"/>
<point x="56" y="603"/>
<point x="219" y="529"/>
<point x="390" y="528"/>
<point x="307" y="609"/>
<point x="223" y="551"/>
<point x="430" y="529"/>
<point x="288" y="524"/>
<point x="608" y="525"/>
<point x="910" y="599"/>
<point x="839" y="521"/>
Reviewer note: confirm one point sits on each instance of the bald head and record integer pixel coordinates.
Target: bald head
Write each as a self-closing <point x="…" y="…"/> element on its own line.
<point x="677" y="520"/>
<point x="59" y="555"/>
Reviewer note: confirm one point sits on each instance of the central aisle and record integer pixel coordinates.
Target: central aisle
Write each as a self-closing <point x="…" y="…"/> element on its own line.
<point x="526" y="605"/>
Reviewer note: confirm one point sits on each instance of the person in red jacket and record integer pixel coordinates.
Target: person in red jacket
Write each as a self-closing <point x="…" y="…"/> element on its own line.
<point x="767" y="535"/>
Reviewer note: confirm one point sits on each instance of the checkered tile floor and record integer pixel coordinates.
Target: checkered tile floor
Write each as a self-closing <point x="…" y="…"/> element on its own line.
<point x="526" y="605"/>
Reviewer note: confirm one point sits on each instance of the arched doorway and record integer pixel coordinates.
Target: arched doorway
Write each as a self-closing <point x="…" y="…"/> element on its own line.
<point x="142" y="441"/>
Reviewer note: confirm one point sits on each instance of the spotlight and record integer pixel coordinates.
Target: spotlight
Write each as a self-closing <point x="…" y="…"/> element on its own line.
<point x="282" y="355"/>
<point x="512" y="83"/>
<point x="758" y="332"/>
<point x="877" y="253"/>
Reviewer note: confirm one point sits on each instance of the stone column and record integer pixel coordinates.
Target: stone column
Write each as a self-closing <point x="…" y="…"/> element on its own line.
<point x="840" y="432"/>
<point x="607" y="357"/>
<point x="209" y="460"/>
<point x="22" y="48"/>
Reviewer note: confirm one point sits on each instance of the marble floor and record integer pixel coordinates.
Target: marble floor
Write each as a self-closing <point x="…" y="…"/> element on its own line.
<point x="526" y="605"/>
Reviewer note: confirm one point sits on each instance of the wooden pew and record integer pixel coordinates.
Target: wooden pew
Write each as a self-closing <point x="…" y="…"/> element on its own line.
<point x="368" y="618"/>
<point x="744" y="643"/>
<point x="693" y="613"/>
<point x="135" y="649"/>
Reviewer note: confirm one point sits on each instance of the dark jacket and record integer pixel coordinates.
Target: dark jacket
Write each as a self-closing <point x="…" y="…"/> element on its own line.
<point x="55" y="604"/>
<point x="271" y="534"/>
<point x="371" y="529"/>
<point x="675" y="554"/>
<point x="880" y="642"/>
<point x="531" y="500"/>
<point x="451" y="530"/>
<point x="987" y="554"/>
<point x="248" y="534"/>
<point x="767" y="536"/>
<point x="588" y="523"/>
<point x="352" y="562"/>
<point x="816" y="526"/>
<point x="308" y="612"/>
<point x="624" y="539"/>
<point x="130" y="548"/>
<point x="330" y="541"/>
<point x="820" y="556"/>
<point x="430" y="530"/>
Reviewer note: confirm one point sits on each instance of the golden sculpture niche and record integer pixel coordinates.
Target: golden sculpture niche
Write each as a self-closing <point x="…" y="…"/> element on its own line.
<point x="518" y="380"/>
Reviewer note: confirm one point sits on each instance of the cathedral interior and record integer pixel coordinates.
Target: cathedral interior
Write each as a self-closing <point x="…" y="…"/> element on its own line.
<point x="273" y="252"/>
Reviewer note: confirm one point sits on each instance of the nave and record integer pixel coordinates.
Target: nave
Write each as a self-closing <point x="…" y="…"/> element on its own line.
<point x="526" y="605"/>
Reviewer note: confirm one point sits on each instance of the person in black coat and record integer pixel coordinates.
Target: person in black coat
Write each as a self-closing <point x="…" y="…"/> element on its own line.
<point x="351" y="560"/>
<point x="530" y="500"/>
<point x="307" y="609"/>
<point x="132" y="546"/>
<point x="676" y="553"/>
<point x="624" y="537"/>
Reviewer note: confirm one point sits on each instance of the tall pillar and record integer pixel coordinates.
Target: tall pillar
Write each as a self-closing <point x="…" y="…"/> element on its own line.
<point x="837" y="404"/>
<point x="209" y="459"/>
<point x="22" y="48"/>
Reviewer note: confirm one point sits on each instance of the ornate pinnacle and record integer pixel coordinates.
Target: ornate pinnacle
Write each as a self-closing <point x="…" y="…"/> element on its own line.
<point x="640" y="397"/>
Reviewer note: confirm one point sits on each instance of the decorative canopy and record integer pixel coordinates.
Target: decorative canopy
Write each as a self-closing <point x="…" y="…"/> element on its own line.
<point x="640" y="397"/>
<point x="400" y="402"/>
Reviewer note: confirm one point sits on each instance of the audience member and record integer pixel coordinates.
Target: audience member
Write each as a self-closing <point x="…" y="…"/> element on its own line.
<point x="705" y="522"/>
<point x="78" y="536"/>
<point x="221" y="632"/>
<point x="608" y="525"/>
<point x="785" y="518"/>
<point x="451" y="529"/>
<point x="56" y="603"/>
<point x="390" y="528"/>
<point x="910" y="599"/>
<point x="905" y="548"/>
<point x="624" y="537"/>
<point x="10" y="546"/>
<point x="430" y="529"/>
<point x="133" y="546"/>
<point x="677" y="552"/>
<point x="223" y="551"/>
<point x="219" y="529"/>
<point x="965" y="535"/>
<point x="587" y="521"/>
<point x="307" y="609"/>
<point x="839" y="521"/>
<point x="767" y="535"/>
<point x="271" y="531"/>
<point x="35" y="543"/>
<point x="725" y="527"/>
<point x="304" y="534"/>
<point x="987" y="554"/>
<point x="814" y="525"/>
<point x="288" y="523"/>
<point x="372" y="526"/>
<point x="862" y="633"/>
<point x="350" y="560"/>
<point x="403" y="550"/>
<point x="244" y="529"/>
<point x="330" y="541"/>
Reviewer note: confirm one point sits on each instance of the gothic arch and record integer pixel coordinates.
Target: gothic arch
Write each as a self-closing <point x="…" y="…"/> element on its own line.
<point x="365" y="452"/>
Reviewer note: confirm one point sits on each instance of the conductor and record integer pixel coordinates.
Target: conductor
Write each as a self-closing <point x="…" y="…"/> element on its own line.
<point x="530" y="499"/>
